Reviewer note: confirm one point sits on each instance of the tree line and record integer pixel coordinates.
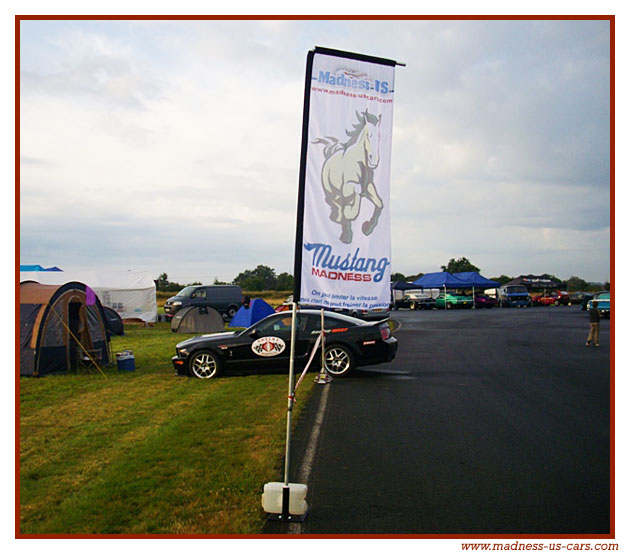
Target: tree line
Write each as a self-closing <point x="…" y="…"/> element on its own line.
<point x="264" y="278"/>
<point x="261" y="278"/>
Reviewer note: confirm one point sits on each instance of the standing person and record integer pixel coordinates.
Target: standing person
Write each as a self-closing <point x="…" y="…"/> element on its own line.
<point x="593" y="333"/>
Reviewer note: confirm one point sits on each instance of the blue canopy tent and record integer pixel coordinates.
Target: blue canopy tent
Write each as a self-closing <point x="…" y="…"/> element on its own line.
<point x="442" y="279"/>
<point x="474" y="279"/>
<point x="258" y="309"/>
<point x="403" y="285"/>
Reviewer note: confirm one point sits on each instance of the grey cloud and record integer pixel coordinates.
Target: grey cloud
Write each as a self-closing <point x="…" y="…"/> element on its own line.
<point x="501" y="137"/>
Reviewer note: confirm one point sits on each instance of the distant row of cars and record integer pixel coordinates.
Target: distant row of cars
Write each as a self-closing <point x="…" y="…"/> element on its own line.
<point x="420" y="300"/>
<point x="509" y="297"/>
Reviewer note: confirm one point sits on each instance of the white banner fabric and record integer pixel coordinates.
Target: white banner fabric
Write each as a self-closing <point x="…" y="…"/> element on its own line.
<point x="346" y="247"/>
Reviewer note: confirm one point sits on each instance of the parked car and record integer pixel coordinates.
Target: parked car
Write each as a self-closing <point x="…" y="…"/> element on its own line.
<point x="453" y="300"/>
<point x="554" y="298"/>
<point x="484" y="301"/>
<point x="513" y="296"/>
<point x="580" y="298"/>
<point x="350" y="343"/>
<point x="603" y="303"/>
<point x="589" y="296"/>
<point x="541" y="300"/>
<point x="419" y="300"/>
<point x="225" y="299"/>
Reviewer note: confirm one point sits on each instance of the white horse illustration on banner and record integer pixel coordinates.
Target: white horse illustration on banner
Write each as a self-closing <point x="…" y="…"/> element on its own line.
<point x="348" y="174"/>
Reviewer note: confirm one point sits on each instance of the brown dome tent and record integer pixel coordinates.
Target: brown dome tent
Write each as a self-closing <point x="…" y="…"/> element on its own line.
<point x="197" y="319"/>
<point x="54" y="319"/>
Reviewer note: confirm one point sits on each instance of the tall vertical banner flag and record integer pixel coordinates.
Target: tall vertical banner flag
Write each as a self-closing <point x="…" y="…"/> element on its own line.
<point x="343" y="243"/>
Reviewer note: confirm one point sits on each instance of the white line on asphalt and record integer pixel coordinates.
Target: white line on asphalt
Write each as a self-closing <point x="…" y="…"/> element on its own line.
<point x="311" y="448"/>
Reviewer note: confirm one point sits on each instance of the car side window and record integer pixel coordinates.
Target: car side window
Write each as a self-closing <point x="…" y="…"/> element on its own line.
<point x="274" y="325"/>
<point x="313" y="324"/>
<point x="199" y="293"/>
<point x="282" y="324"/>
<point x="332" y="323"/>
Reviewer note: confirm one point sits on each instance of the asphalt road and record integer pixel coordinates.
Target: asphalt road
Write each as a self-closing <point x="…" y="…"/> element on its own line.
<point x="488" y="421"/>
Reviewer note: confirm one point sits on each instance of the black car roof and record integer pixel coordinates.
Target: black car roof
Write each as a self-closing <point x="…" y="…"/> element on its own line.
<point x="343" y="317"/>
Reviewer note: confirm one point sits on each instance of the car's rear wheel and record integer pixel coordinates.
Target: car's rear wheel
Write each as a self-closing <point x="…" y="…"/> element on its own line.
<point x="204" y="364"/>
<point x="339" y="360"/>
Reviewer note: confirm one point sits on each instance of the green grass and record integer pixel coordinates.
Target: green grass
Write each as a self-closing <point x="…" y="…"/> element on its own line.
<point x="148" y="452"/>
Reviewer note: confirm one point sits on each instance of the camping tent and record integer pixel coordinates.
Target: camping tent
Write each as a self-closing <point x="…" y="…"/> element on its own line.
<point x="113" y="321"/>
<point x="130" y="293"/>
<point x="197" y="319"/>
<point x="258" y="309"/>
<point x="58" y="324"/>
<point x="442" y="279"/>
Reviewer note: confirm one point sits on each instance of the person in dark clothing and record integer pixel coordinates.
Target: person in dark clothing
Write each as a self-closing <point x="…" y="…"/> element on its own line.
<point x="593" y="332"/>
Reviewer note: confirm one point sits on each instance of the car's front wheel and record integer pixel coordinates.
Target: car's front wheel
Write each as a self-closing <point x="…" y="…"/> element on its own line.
<point x="339" y="360"/>
<point x="204" y="365"/>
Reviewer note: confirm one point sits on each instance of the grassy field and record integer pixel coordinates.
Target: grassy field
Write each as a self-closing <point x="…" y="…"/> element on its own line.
<point x="148" y="452"/>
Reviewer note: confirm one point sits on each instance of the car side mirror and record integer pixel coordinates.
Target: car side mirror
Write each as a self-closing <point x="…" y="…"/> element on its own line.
<point x="253" y="334"/>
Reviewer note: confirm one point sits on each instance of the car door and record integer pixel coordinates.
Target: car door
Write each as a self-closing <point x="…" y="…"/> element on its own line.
<point x="198" y="297"/>
<point x="268" y="344"/>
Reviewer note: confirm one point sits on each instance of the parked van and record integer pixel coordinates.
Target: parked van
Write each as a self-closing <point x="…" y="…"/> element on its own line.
<point x="225" y="299"/>
<point x="513" y="296"/>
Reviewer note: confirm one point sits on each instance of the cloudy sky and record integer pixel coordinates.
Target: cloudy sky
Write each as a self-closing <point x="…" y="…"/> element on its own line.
<point x="173" y="146"/>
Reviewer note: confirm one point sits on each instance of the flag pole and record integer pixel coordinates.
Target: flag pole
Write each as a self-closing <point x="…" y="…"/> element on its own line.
<point x="291" y="399"/>
<point x="299" y="227"/>
<point x="270" y="497"/>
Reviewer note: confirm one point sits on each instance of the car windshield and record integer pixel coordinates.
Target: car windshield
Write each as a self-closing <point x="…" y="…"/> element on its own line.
<point x="518" y="288"/>
<point x="186" y="292"/>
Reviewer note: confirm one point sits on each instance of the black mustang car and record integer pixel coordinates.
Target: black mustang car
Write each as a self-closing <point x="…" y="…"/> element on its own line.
<point x="350" y="342"/>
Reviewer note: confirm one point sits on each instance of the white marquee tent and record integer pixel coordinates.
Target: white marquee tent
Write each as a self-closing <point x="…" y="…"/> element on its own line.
<point x="130" y="293"/>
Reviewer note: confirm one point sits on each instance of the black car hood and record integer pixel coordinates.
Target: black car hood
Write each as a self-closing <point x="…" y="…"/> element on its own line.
<point x="218" y="337"/>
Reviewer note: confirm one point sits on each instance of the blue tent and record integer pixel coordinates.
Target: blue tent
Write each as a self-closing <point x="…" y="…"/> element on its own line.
<point x="402" y="285"/>
<point x="258" y="309"/>
<point x="474" y="279"/>
<point x="442" y="279"/>
<point x="38" y="267"/>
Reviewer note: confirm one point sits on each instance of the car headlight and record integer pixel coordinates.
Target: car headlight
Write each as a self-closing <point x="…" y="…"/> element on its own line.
<point x="176" y="303"/>
<point x="182" y="352"/>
